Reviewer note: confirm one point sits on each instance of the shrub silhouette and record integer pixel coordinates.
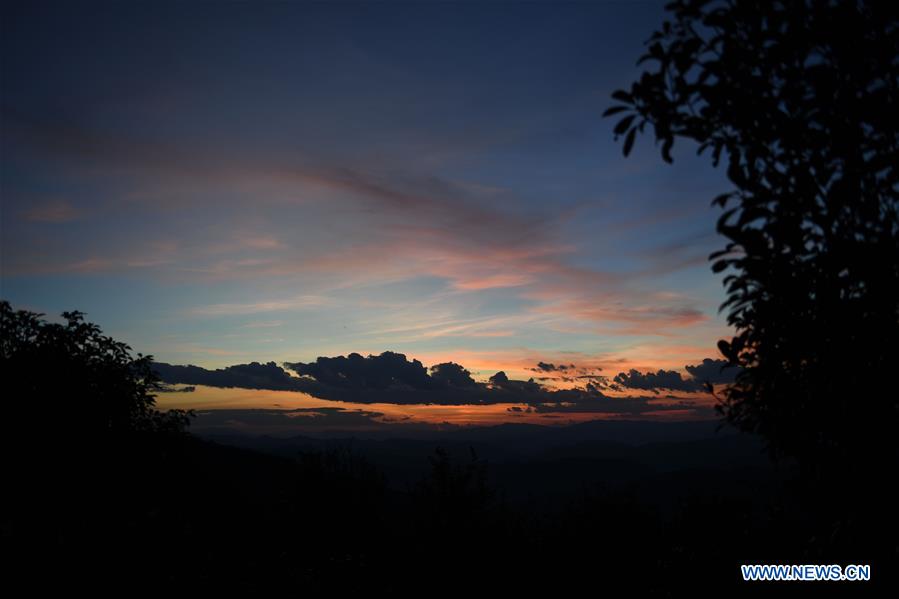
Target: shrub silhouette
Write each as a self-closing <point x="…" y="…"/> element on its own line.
<point x="799" y="100"/>
<point x="71" y="380"/>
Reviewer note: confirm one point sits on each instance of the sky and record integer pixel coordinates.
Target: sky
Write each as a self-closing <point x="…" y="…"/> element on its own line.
<point x="218" y="183"/>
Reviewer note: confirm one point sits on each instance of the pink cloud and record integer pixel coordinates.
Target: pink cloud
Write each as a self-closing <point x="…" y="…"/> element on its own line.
<point x="424" y="226"/>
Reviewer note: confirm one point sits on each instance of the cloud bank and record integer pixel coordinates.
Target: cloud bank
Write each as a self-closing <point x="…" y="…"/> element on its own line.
<point x="392" y="378"/>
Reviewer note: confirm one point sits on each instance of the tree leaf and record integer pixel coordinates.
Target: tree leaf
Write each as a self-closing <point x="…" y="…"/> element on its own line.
<point x="622" y="96"/>
<point x="629" y="142"/>
<point x="666" y="149"/>
<point x="624" y="123"/>
<point x="614" y="110"/>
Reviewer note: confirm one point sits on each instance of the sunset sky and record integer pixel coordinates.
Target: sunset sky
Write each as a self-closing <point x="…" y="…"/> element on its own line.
<point x="222" y="183"/>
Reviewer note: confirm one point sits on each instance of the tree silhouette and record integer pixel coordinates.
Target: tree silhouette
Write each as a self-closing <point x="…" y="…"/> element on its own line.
<point x="88" y="462"/>
<point x="799" y="100"/>
<point x="72" y="381"/>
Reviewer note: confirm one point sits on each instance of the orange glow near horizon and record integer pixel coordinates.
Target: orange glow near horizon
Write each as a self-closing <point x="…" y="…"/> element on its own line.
<point x="205" y="399"/>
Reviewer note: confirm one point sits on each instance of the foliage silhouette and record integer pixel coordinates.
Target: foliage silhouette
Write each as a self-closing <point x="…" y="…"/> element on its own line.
<point x="86" y="457"/>
<point x="800" y="100"/>
<point x="74" y="380"/>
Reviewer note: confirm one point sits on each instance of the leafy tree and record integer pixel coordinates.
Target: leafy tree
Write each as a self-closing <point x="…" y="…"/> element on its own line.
<point x="71" y="380"/>
<point x="799" y="99"/>
<point x="89" y="464"/>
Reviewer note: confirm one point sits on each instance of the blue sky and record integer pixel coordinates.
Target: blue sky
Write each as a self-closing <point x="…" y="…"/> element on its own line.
<point x="216" y="183"/>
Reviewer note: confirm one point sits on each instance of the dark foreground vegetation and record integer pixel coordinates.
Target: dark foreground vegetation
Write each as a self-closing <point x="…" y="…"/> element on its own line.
<point x="176" y="512"/>
<point x="115" y="495"/>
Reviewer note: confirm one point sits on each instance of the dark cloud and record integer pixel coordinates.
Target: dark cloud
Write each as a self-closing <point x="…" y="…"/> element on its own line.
<point x="714" y="372"/>
<point x="172" y="389"/>
<point x="392" y="378"/>
<point x="386" y="378"/>
<point x="452" y="374"/>
<point x="500" y="381"/>
<point x="248" y="376"/>
<point x="570" y="373"/>
<point x="386" y="370"/>
<point x="653" y="381"/>
<point x="550" y="367"/>
<point x="594" y="389"/>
